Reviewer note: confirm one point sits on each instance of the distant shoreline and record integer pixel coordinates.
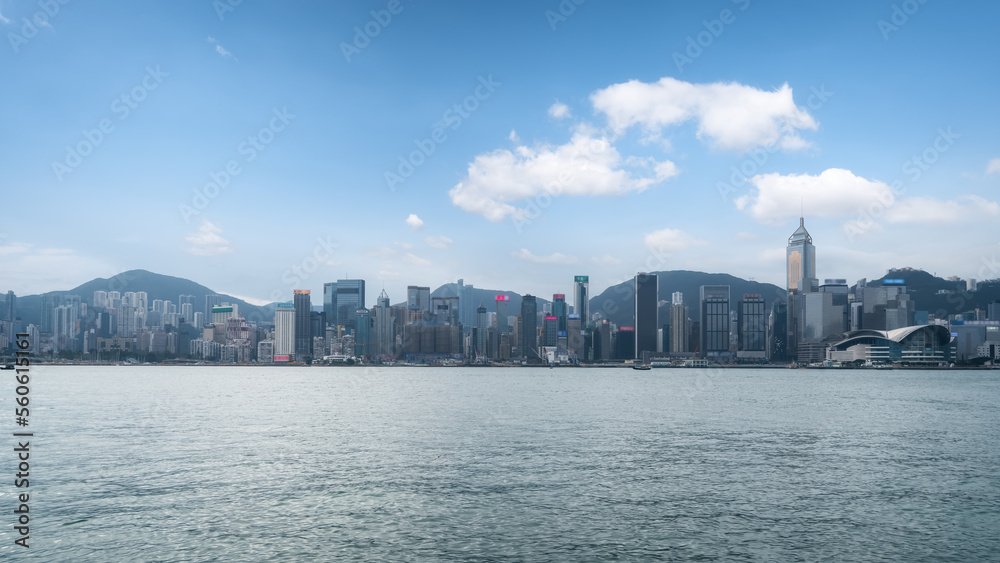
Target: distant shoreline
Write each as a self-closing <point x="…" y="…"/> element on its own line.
<point x="541" y="366"/>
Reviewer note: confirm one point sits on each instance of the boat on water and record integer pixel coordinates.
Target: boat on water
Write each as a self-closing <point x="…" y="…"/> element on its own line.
<point x="7" y="366"/>
<point x="642" y="366"/>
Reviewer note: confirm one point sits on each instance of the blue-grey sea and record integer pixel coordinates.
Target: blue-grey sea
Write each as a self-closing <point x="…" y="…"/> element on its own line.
<point x="151" y="463"/>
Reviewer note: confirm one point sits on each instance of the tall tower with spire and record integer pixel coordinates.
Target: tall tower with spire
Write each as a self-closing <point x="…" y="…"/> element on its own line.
<point x="800" y="260"/>
<point x="800" y="269"/>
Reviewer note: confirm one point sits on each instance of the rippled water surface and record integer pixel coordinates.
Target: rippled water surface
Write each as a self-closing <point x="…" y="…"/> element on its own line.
<point x="456" y="464"/>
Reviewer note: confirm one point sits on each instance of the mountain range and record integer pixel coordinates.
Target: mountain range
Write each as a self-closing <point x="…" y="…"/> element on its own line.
<point x="930" y="293"/>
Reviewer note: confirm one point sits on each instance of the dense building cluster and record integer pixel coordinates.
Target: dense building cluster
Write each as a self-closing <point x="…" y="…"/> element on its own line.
<point x="809" y="322"/>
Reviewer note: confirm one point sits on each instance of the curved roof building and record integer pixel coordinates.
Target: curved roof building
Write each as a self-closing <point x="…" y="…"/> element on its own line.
<point x="922" y="344"/>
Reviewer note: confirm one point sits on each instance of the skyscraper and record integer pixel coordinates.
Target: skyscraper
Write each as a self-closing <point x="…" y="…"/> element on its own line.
<point x="350" y="298"/>
<point x="211" y="300"/>
<point x="581" y="299"/>
<point x="284" y="330"/>
<point x="481" y="325"/>
<point x="559" y="310"/>
<point x="529" y="327"/>
<point x="752" y="329"/>
<point x="714" y="339"/>
<point x="303" y="328"/>
<point x="800" y="262"/>
<point x="418" y="303"/>
<point x="10" y="307"/>
<point x="646" y="318"/>
<point x="384" y="334"/>
<point x="679" y="329"/>
<point x="330" y="302"/>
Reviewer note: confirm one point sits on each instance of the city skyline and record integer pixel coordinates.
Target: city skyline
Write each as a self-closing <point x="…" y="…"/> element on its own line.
<point x="702" y="145"/>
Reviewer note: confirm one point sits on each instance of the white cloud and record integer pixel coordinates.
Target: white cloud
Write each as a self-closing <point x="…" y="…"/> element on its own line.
<point x="745" y="236"/>
<point x="207" y="241"/>
<point x="414" y="222"/>
<point x="513" y="136"/>
<point x="440" y="242"/>
<point x="222" y="51"/>
<point x="671" y="240"/>
<point x="834" y="192"/>
<point x="730" y="116"/>
<point x="559" y="110"/>
<point x="586" y="166"/>
<point x="993" y="167"/>
<point x="3" y="19"/>
<point x="840" y="193"/>
<point x="556" y="258"/>
<point x="15" y="248"/>
<point x="607" y="259"/>
<point x="930" y="211"/>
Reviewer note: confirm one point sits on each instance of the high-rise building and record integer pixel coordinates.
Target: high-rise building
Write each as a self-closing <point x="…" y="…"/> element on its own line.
<point x="284" y="330"/>
<point x="529" y="328"/>
<point x="330" y="302"/>
<point x="481" y="325"/>
<point x="211" y="300"/>
<point x="10" y="307"/>
<point x="715" y="320"/>
<point x="581" y="298"/>
<point x="445" y="310"/>
<point x="777" y="332"/>
<point x="993" y="311"/>
<point x="223" y="313"/>
<point x="350" y="298"/>
<point x="679" y="329"/>
<point x="646" y="317"/>
<point x="559" y="310"/>
<point x="384" y="342"/>
<point x="800" y="266"/>
<point x="418" y="303"/>
<point x="301" y="301"/>
<point x="550" y="330"/>
<point x="363" y="333"/>
<point x="100" y="299"/>
<point x="752" y="327"/>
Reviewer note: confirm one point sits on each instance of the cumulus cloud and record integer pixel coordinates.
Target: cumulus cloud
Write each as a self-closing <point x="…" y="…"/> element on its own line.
<point x="671" y="240"/>
<point x="439" y="242"/>
<point x="414" y="222"/>
<point x="840" y="193"/>
<point x="207" y="241"/>
<point x="555" y="258"/>
<point x="588" y="165"/>
<point x="513" y="137"/>
<point x="730" y="116"/>
<point x="993" y="167"/>
<point x="559" y="110"/>
<point x="834" y="192"/>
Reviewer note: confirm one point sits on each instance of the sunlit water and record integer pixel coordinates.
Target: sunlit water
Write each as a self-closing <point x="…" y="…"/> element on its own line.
<point x="456" y="464"/>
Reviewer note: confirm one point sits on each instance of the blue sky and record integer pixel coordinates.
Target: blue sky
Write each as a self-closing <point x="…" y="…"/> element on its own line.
<point x="600" y="138"/>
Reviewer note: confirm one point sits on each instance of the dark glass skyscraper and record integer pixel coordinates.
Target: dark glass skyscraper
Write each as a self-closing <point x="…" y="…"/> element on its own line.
<point x="559" y="310"/>
<point x="646" y="321"/>
<point x="752" y="324"/>
<point x="714" y="320"/>
<point x="581" y="299"/>
<point x="303" y="323"/>
<point x="330" y="302"/>
<point x="529" y="327"/>
<point x="350" y="298"/>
